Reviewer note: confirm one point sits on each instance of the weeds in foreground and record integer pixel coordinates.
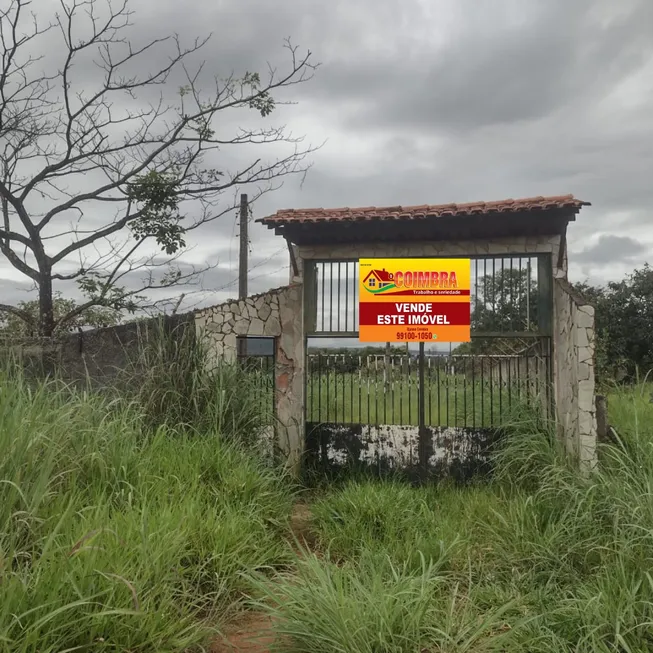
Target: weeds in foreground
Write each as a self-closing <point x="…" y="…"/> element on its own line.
<point x="115" y="538"/>
<point x="121" y="532"/>
<point x="373" y="604"/>
<point x="540" y="559"/>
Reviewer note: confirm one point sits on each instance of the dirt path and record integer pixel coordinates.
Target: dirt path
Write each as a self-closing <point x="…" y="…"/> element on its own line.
<point x="300" y="526"/>
<point x="253" y="632"/>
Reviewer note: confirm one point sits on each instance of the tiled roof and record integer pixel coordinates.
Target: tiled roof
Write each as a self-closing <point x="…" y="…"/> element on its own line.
<point x="292" y="216"/>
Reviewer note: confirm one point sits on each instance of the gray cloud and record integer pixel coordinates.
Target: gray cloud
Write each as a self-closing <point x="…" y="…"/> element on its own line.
<point x="493" y="70"/>
<point x="427" y="102"/>
<point x="609" y="248"/>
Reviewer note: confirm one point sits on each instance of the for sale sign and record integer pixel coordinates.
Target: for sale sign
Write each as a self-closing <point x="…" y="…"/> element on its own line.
<point x="414" y="300"/>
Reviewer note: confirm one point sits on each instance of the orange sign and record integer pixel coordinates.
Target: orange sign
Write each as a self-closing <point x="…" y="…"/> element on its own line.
<point x="414" y="300"/>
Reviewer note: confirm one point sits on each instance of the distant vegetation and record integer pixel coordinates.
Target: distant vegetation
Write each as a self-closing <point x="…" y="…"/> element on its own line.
<point x="23" y="321"/>
<point x="624" y="322"/>
<point x="624" y="325"/>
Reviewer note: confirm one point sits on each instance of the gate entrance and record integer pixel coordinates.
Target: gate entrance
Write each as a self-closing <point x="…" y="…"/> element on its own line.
<point x="430" y="409"/>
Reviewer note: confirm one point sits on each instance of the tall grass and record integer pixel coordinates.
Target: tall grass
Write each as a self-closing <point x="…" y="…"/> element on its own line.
<point x="325" y="607"/>
<point x="118" y="538"/>
<point x="175" y="383"/>
<point x="122" y="530"/>
<point x="540" y="559"/>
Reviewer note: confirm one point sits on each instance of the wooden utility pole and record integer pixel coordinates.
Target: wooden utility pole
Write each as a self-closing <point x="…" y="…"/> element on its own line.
<point x="242" y="265"/>
<point x="178" y="304"/>
<point x="244" y="246"/>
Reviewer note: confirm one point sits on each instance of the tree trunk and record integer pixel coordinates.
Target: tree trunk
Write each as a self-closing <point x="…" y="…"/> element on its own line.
<point x="46" y="306"/>
<point x="46" y="322"/>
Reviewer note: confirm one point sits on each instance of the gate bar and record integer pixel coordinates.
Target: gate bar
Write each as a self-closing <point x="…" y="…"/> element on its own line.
<point x="421" y="416"/>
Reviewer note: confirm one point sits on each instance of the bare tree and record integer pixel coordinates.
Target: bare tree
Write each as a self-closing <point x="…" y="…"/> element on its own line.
<point x="95" y="171"/>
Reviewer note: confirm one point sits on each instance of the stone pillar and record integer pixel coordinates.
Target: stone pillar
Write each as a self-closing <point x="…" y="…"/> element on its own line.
<point x="277" y="313"/>
<point x="574" y="382"/>
<point x="290" y="379"/>
<point x="585" y="343"/>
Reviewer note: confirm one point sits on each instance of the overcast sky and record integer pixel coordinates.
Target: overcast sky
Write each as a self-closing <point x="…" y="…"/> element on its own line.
<point x="433" y="101"/>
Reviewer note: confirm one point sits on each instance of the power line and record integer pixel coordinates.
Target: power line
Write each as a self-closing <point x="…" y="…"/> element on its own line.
<point x="258" y="276"/>
<point x="258" y="265"/>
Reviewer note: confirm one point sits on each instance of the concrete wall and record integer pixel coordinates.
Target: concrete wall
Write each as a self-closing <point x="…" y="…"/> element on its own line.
<point x="277" y="313"/>
<point x="98" y="356"/>
<point x="102" y="354"/>
<point x="574" y="383"/>
<point x="433" y="452"/>
<point x="518" y="245"/>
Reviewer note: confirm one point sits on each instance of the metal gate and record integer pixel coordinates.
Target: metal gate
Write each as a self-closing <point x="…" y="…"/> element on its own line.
<point x="426" y="410"/>
<point x="256" y="356"/>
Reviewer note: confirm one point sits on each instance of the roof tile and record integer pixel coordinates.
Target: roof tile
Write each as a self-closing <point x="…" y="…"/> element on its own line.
<point x="419" y="212"/>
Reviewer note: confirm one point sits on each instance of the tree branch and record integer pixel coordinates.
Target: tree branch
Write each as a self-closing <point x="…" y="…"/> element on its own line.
<point x="80" y="152"/>
<point x="23" y="315"/>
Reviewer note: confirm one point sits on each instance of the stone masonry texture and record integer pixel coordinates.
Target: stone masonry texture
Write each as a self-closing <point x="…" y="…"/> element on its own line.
<point x="277" y="313"/>
<point x="574" y="373"/>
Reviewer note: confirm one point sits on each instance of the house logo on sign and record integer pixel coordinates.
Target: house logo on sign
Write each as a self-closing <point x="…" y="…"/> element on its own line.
<point x="378" y="281"/>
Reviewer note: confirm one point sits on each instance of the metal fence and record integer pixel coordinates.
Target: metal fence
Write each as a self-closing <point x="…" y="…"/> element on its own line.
<point x="507" y="363"/>
<point x="256" y="356"/>
<point x="509" y="294"/>
<point x="464" y="390"/>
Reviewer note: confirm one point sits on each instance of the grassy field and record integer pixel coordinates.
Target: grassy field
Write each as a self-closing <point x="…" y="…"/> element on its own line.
<point x="149" y="525"/>
<point x="450" y="400"/>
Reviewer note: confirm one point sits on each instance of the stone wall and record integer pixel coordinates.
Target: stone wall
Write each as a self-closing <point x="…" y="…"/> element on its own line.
<point x="277" y="313"/>
<point x="574" y="383"/>
<point x="101" y="355"/>
<point x="258" y="315"/>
